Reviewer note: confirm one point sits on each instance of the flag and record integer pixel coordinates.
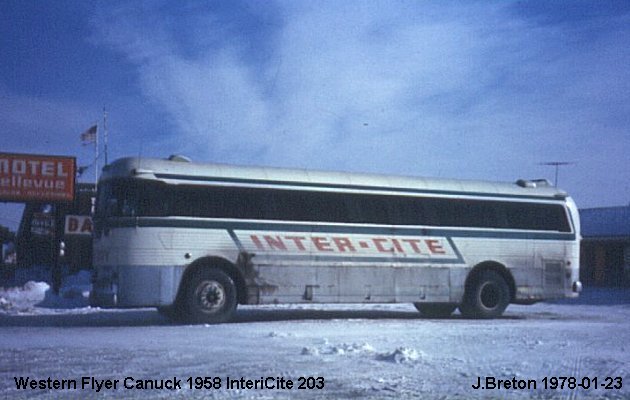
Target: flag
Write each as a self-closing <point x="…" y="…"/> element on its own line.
<point x="89" y="136"/>
<point x="81" y="170"/>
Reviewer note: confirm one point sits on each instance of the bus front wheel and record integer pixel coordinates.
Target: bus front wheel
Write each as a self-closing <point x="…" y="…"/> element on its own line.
<point x="487" y="296"/>
<point x="210" y="297"/>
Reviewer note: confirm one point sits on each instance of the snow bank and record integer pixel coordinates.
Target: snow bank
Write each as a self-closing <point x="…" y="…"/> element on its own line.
<point x="400" y="355"/>
<point x="340" y="349"/>
<point x="31" y="296"/>
<point x="22" y="299"/>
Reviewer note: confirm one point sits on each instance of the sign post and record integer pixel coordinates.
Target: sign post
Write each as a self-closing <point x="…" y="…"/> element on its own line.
<point x="40" y="178"/>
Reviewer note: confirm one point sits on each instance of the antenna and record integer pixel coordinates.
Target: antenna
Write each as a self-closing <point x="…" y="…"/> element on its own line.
<point x="557" y="164"/>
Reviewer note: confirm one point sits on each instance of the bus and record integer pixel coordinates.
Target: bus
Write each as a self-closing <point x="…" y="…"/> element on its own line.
<point x="196" y="240"/>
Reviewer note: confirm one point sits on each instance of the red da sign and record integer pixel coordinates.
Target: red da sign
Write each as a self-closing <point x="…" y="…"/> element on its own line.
<point x="78" y="225"/>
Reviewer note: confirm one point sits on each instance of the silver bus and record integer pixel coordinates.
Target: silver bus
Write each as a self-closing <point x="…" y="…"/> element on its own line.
<point x="196" y="240"/>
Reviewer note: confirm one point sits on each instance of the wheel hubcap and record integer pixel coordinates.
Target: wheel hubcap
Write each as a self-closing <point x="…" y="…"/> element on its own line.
<point x="210" y="296"/>
<point x="490" y="296"/>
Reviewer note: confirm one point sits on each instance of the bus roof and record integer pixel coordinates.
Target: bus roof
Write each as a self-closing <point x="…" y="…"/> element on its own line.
<point x="178" y="170"/>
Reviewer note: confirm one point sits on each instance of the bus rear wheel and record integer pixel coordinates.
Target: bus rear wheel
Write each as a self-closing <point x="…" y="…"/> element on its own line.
<point x="435" y="310"/>
<point x="210" y="297"/>
<point x="487" y="296"/>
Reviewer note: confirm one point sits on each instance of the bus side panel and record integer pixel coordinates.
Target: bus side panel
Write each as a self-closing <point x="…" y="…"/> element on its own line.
<point x="516" y="255"/>
<point x="423" y="283"/>
<point x="559" y="262"/>
<point x="144" y="267"/>
<point x="383" y="266"/>
<point x="366" y="283"/>
<point x="390" y="283"/>
<point x="147" y="285"/>
<point x="353" y="283"/>
<point x="293" y="282"/>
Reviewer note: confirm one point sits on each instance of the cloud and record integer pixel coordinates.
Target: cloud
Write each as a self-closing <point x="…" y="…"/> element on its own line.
<point x="341" y="73"/>
<point x="55" y="124"/>
<point x="460" y="90"/>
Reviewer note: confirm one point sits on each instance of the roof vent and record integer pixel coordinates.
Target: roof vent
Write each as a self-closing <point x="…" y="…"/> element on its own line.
<point x="179" y="158"/>
<point x="533" y="183"/>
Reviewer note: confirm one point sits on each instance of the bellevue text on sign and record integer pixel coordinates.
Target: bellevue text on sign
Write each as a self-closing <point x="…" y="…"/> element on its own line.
<point x="27" y="177"/>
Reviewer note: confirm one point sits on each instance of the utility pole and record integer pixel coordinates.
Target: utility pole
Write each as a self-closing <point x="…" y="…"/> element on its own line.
<point x="557" y="165"/>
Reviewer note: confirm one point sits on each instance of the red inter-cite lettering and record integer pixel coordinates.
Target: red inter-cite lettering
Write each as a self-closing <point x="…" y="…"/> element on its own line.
<point x="435" y="247"/>
<point x="345" y="244"/>
<point x="298" y="241"/>
<point x="321" y="243"/>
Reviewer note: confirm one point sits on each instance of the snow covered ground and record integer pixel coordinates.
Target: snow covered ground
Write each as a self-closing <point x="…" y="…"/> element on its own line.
<point x="350" y="351"/>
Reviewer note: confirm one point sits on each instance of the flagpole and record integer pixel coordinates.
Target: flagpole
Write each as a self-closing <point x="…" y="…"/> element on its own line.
<point x="96" y="158"/>
<point x="105" y="134"/>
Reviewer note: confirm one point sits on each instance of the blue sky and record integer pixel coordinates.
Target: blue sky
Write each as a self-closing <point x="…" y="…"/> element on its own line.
<point x="458" y="89"/>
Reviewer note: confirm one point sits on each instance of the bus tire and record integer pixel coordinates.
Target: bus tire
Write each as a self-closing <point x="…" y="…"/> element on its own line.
<point x="435" y="310"/>
<point x="487" y="296"/>
<point x="210" y="297"/>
